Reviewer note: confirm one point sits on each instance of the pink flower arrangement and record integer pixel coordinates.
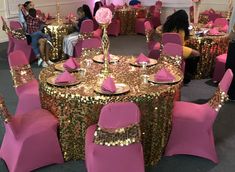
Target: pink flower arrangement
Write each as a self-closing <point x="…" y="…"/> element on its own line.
<point x="104" y="16"/>
<point x="195" y="1"/>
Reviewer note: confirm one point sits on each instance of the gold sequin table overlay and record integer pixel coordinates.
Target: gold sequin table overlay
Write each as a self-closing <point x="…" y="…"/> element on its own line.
<point x="78" y="107"/>
<point x="209" y="47"/>
<point x="58" y="31"/>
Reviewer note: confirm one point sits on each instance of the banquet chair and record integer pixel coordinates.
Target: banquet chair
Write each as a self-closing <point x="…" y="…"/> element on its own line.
<point x="26" y="85"/>
<point x="114" y="27"/>
<point x="14" y="25"/>
<point x="171" y="38"/>
<point x="219" y="67"/>
<point x="116" y="122"/>
<point x="30" y="140"/>
<point x="192" y="126"/>
<point x="87" y="26"/>
<point x="93" y="42"/>
<point x="153" y="46"/>
<point x="220" y="22"/>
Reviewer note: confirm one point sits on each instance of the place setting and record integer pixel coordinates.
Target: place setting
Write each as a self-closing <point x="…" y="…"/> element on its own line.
<point x="111" y="58"/>
<point x="142" y="61"/>
<point x="110" y="87"/>
<point x="71" y="65"/>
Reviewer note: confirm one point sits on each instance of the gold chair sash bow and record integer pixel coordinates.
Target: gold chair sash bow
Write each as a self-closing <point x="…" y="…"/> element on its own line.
<point x="83" y="36"/>
<point x="218" y="99"/>
<point x="21" y="75"/>
<point x="118" y="137"/>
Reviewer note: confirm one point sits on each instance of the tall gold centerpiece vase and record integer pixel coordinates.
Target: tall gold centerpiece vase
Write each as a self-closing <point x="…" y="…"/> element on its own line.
<point x="104" y="17"/>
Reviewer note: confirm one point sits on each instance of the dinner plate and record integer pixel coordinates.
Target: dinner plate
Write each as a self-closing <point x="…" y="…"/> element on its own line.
<point x="152" y="79"/>
<point x="51" y="81"/>
<point x="60" y="67"/>
<point x="134" y="63"/>
<point x="99" y="58"/>
<point x="121" y="88"/>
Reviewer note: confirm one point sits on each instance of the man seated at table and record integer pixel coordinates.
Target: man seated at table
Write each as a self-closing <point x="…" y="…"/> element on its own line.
<point x="178" y="22"/>
<point x="134" y="2"/>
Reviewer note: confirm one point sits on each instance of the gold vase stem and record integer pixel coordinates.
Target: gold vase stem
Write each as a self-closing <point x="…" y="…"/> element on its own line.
<point x="105" y="47"/>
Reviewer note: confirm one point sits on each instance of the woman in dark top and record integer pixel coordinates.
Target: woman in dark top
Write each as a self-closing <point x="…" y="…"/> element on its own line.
<point x="134" y="2"/>
<point x="87" y="11"/>
<point x="98" y="4"/>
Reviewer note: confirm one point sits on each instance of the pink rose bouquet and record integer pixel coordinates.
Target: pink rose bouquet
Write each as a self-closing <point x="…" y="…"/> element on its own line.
<point x="104" y="16"/>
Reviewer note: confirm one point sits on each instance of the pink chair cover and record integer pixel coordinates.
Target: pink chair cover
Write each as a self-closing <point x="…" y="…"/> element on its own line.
<point x="17" y="58"/>
<point x="171" y="38"/>
<point x="220" y="22"/>
<point x="87" y="26"/>
<point x="192" y="127"/>
<point x="31" y="142"/>
<point x="219" y="67"/>
<point x="172" y="49"/>
<point x="115" y="158"/>
<point x="114" y="28"/>
<point x="14" y="25"/>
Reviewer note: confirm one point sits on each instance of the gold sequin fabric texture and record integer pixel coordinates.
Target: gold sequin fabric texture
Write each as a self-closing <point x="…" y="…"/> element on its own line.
<point x="78" y="107"/>
<point x="21" y="75"/>
<point x="209" y="47"/>
<point x="118" y="137"/>
<point x="4" y="111"/>
<point x="218" y="99"/>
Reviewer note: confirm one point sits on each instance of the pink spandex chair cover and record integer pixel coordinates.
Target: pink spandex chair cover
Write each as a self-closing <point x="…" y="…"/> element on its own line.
<point x="14" y="25"/>
<point x="114" y="158"/>
<point x="94" y="42"/>
<point x="192" y="126"/>
<point x="171" y="38"/>
<point x="220" y="22"/>
<point x="30" y="141"/>
<point x="27" y="93"/>
<point x="219" y="67"/>
<point x="172" y="49"/>
<point x="87" y="26"/>
<point x="114" y="28"/>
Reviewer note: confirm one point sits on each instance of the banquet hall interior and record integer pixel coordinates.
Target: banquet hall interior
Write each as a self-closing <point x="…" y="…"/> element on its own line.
<point x="117" y="86"/>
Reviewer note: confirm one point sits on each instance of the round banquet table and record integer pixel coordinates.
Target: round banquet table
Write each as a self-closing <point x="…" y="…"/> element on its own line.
<point x="209" y="47"/>
<point x="77" y="107"/>
<point x="127" y="17"/>
<point x="57" y="31"/>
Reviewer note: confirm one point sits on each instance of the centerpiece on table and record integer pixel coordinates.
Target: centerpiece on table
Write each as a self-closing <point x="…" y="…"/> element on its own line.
<point x="104" y="17"/>
<point x="196" y="4"/>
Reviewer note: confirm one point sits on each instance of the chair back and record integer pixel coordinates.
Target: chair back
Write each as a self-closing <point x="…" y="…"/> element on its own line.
<point x="87" y="26"/>
<point x="171" y="38"/>
<point x="172" y="49"/>
<point x="152" y="9"/>
<point x="148" y="27"/>
<point x="97" y="33"/>
<point x="17" y="58"/>
<point x="226" y="81"/>
<point x="91" y="43"/>
<point x="118" y="115"/>
<point x="15" y="25"/>
<point x="220" y="22"/>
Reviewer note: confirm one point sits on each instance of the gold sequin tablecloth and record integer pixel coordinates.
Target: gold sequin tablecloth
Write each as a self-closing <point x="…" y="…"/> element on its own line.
<point x="209" y="47"/>
<point x="57" y="31"/>
<point x="78" y="107"/>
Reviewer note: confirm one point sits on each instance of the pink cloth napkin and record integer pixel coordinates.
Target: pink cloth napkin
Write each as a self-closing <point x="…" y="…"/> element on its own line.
<point x="214" y="31"/>
<point x="142" y="58"/>
<point x="163" y="75"/>
<point x="108" y="85"/>
<point x="209" y="24"/>
<point x="71" y="64"/>
<point x="65" y="77"/>
<point x="224" y="28"/>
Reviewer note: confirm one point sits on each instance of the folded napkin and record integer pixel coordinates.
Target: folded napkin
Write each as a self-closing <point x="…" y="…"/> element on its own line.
<point x="65" y="77"/>
<point x="163" y="75"/>
<point x="214" y="31"/>
<point x="142" y="58"/>
<point x="209" y="24"/>
<point x="109" y="85"/>
<point x="71" y="64"/>
<point x="224" y="28"/>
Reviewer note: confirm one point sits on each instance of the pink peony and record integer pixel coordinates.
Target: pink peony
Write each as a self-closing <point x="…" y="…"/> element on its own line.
<point x="104" y="16"/>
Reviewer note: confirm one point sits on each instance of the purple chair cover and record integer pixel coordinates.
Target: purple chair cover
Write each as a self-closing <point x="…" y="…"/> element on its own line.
<point x="114" y="27"/>
<point x="192" y="127"/>
<point x="139" y="25"/>
<point x="171" y="38"/>
<point x="115" y="158"/>
<point x="31" y="142"/>
<point x="172" y="49"/>
<point x="14" y="25"/>
<point x="87" y="26"/>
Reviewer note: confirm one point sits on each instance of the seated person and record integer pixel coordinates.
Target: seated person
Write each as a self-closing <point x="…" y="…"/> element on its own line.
<point x="98" y="4"/>
<point x="69" y="41"/>
<point x="26" y="6"/>
<point x="134" y="2"/>
<point x="178" y="22"/>
<point x="37" y="37"/>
